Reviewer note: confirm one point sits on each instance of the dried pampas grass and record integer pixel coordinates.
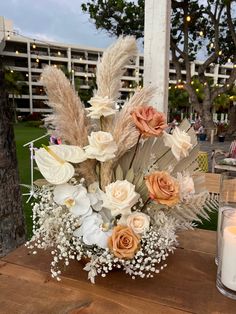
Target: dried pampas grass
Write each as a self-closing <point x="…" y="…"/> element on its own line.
<point x="111" y="67"/>
<point x="69" y="117"/>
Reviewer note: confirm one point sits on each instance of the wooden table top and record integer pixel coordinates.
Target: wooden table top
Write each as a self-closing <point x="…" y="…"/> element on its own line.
<point x="187" y="285"/>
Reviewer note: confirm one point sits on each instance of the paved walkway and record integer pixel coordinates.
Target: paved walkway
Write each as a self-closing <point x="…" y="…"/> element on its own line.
<point x="206" y="146"/>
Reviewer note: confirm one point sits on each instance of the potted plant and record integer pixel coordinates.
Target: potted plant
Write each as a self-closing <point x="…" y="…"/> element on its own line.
<point x="221" y="131"/>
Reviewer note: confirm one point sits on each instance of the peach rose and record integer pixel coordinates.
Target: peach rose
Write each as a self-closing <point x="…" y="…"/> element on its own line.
<point x="163" y="188"/>
<point x="149" y="121"/>
<point x="123" y="242"/>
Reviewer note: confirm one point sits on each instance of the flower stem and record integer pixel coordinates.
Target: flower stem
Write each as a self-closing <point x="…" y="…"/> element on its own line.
<point x="145" y="203"/>
<point x="135" y="151"/>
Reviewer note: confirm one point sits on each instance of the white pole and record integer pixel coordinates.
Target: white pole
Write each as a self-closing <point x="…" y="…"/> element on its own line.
<point x="156" y="50"/>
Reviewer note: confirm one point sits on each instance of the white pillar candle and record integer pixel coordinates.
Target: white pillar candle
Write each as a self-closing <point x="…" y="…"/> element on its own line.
<point x="228" y="270"/>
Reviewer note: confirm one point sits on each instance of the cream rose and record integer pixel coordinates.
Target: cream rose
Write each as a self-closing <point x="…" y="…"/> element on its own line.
<point x="101" y="106"/>
<point x="101" y="146"/>
<point x="179" y="142"/>
<point x="120" y="196"/>
<point x="138" y="222"/>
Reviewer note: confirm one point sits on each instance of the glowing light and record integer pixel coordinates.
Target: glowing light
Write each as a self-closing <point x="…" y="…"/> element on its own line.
<point x="8" y="37"/>
<point x="211" y="45"/>
<point x="12" y="71"/>
<point x="229" y="60"/>
<point x="179" y="80"/>
<point x="80" y="59"/>
<point x="26" y="74"/>
<point x="205" y="83"/>
<point x="59" y="53"/>
<point x="188" y="18"/>
<point x="169" y="87"/>
<point x="192" y="82"/>
<point x="130" y="85"/>
<point x="234" y="65"/>
<point x="34" y="46"/>
<point x="220" y="53"/>
<point x="228" y="85"/>
<point x="17" y="52"/>
<point x="72" y="71"/>
<point x="55" y="66"/>
<point x="37" y="60"/>
<point x="201" y="33"/>
<point x="197" y="90"/>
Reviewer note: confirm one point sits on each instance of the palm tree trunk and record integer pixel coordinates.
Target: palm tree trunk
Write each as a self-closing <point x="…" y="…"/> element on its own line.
<point x="12" y="225"/>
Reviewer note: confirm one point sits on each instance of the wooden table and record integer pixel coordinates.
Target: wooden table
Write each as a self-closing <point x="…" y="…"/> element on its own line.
<point x="187" y="285"/>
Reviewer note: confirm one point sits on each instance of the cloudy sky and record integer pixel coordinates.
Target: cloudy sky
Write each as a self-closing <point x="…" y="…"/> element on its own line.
<point x="54" y="20"/>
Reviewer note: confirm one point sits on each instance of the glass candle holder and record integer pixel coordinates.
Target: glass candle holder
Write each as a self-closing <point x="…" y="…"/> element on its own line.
<point x="227" y="200"/>
<point x="226" y="272"/>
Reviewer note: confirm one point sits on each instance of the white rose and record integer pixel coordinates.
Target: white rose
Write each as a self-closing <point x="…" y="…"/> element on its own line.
<point x="101" y="106"/>
<point x="120" y="196"/>
<point x="179" y="142"/>
<point x="138" y="222"/>
<point x="186" y="185"/>
<point x="101" y="146"/>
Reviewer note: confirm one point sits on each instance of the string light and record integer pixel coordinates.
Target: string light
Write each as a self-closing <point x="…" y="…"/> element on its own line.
<point x="26" y="74"/>
<point x="179" y="80"/>
<point x="188" y="18"/>
<point x="211" y="45"/>
<point x="37" y="60"/>
<point x="197" y="90"/>
<point x="228" y="85"/>
<point x="205" y="83"/>
<point x="8" y="36"/>
<point x="55" y="66"/>
<point x="229" y="60"/>
<point x="17" y="52"/>
<point x="80" y="59"/>
<point x="59" y="53"/>
<point x="34" y="46"/>
<point x="12" y="71"/>
<point x="169" y="87"/>
<point x="201" y="33"/>
<point x="192" y="82"/>
<point x="234" y="65"/>
<point x="220" y="53"/>
<point x="72" y="71"/>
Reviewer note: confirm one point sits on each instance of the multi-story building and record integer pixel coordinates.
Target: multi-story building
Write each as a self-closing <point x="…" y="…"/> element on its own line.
<point x="29" y="57"/>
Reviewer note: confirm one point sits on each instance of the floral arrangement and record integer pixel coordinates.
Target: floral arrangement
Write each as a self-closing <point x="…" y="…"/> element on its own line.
<point x="117" y="186"/>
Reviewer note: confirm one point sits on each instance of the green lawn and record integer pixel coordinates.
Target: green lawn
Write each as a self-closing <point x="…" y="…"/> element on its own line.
<point x="25" y="133"/>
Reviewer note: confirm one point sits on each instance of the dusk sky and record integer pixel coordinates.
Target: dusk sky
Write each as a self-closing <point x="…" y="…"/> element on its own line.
<point x="54" y="20"/>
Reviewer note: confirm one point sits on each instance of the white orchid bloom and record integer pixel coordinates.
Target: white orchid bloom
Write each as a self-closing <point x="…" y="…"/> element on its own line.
<point x="52" y="162"/>
<point x="74" y="197"/>
<point x="96" y="196"/>
<point x="94" y="231"/>
<point x="179" y="142"/>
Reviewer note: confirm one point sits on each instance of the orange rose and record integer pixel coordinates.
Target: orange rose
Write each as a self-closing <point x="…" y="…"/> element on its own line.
<point x="149" y="121"/>
<point x="123" y="242"/>
<point x="163" y="188"/>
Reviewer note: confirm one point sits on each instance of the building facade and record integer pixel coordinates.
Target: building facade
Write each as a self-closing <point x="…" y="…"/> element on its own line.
<point x="29" y="57"/>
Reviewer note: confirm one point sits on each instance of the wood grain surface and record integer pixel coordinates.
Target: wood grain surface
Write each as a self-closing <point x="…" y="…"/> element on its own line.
<point x="187" y="285"/>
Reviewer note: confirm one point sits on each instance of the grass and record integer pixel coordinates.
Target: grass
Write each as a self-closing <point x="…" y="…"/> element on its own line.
<point x="25" y="132"/>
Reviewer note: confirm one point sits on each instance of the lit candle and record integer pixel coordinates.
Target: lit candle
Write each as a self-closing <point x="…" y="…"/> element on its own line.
<point x="228" y="270"/>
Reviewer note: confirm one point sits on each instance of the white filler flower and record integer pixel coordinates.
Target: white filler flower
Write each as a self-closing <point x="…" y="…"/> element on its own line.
<point x="101" y="146"/>
<point x="186" y="185"/>
<point x="120" y="196"/>
<point x="74" y="197"/>
<point x="101" y="106"/>
<point x="52" y="162"/>
<point x="94" y="231"/>
<point x="179" y="142"/>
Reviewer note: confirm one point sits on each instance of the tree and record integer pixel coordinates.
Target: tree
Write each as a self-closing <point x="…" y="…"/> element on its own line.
<point x="205" y="28"/>
<point x="14" y="83"/>
<point x="12" y="225"/>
